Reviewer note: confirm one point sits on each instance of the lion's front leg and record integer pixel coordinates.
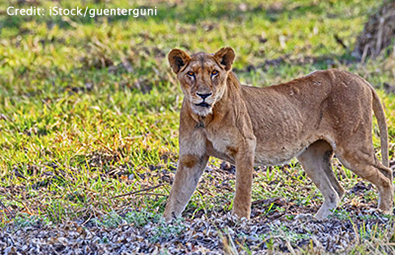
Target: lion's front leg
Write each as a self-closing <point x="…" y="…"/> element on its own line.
<point x="190" y="168"/>
<point x="244" y="169"/>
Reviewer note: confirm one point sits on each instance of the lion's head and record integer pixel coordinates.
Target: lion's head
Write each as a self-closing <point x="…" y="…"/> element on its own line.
<point x="202" y="76"/>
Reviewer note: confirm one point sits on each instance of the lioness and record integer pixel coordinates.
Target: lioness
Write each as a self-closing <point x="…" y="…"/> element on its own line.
<point x="311" y="117"/>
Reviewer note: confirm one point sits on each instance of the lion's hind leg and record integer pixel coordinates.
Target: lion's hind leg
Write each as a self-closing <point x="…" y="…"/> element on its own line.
<point x="365" y="165"/>
<point x="316" y="161"/>
<point x="327" y="165"/>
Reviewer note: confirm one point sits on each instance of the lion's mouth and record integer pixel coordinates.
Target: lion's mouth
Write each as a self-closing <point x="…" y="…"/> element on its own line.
<point x="203" y="104"/>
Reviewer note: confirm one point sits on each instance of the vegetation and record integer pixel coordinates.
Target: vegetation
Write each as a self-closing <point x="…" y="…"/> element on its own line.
<point x="89" y="107"/>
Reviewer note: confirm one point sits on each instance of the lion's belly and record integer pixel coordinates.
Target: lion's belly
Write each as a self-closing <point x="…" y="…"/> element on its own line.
<point x="277" y="152"/>
<point x="277" y="156"/>
<point x="266" y="154"/>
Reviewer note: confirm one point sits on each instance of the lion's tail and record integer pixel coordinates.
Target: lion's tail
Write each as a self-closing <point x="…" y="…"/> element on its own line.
<point x="380" y="116"/>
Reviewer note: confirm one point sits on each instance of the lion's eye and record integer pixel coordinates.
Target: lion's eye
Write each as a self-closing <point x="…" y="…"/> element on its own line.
<point x="190" y="73"/>
<point x="214" y="73"/>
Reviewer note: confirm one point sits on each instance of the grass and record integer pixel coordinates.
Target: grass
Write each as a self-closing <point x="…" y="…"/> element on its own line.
<point x="89" y="107"/>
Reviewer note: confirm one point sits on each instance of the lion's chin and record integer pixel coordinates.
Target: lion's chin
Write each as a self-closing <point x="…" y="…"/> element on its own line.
<point x="202" y="110"/>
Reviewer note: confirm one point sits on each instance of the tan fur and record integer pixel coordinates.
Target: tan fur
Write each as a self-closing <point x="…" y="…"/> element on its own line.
<point x="310" y="118"/>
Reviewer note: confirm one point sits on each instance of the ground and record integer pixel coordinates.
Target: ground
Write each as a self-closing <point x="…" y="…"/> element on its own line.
<point x="89" y="114"/>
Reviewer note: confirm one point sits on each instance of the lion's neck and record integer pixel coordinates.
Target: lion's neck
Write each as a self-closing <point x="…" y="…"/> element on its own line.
<point x="231" y="95"/>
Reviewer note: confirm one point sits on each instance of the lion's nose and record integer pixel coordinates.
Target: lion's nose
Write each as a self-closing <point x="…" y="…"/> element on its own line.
<point x="204" y="96"/>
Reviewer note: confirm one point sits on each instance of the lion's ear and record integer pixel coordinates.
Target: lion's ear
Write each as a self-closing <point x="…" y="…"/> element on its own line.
<point x="225" y="56"/>
<point x="177" y="59"/>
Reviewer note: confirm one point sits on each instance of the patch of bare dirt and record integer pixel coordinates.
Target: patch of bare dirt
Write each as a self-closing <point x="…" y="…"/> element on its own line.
<point x="213" y="234"/>
<point x="277" y="224"/>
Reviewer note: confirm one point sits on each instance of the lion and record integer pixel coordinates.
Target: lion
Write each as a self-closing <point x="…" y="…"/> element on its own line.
<point x="311" y="118"/>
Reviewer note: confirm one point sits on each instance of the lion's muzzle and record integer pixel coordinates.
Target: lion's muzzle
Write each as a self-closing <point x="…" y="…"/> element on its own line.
<point x="203" y="104"/>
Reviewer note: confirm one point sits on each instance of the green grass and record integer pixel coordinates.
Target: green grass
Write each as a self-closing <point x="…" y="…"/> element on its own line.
<point x="79" y="127"/>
